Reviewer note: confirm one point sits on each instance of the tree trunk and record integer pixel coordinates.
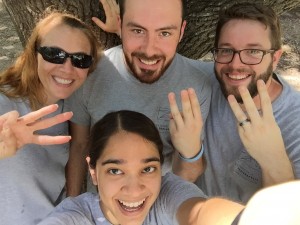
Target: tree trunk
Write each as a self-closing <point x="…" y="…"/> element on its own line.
<point x="198" y="38"/>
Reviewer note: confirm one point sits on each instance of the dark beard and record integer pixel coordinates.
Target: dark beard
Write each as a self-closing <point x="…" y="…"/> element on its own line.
<point x="252" y="87"/>
<point x="146" y="73"/>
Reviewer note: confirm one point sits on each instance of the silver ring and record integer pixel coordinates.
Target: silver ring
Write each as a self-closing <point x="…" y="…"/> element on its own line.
<point x="242" y="123"/>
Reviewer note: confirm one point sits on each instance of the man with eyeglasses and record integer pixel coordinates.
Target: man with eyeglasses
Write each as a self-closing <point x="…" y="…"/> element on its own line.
<point x="252" y="133"/>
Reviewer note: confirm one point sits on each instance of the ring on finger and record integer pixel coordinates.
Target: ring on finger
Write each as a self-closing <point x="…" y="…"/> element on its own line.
<point x="242" y="123"/>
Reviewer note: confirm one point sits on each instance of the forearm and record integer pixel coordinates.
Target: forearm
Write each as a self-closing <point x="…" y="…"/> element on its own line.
<point x="218" y="211"/>
<point x="214" y="211"/>
<point x="278" y="170"/>
<point x="188" y="171"/>
<point x="76" y="170"/>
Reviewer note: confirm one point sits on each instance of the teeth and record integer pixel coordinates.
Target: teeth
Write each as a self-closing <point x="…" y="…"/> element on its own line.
<point x="132" y="204"/>
<point x="237" y="77"/>
<point x="62" y="81"/>
<point x="149" y="62"/>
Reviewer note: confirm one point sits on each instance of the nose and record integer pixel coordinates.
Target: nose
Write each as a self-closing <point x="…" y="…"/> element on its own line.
<point x="236" y="61"/>
<point x="133" y="186"/>
<point x="149" y="44"/>
<point x="67" y="65"/>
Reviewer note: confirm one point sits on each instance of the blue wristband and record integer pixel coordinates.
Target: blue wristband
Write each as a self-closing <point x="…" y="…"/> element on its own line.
<point x="195" y="158"/>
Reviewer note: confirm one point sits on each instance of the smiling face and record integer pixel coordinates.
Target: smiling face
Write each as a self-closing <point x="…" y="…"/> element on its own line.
<point x="61" y="80"/>
<point x="240" y="34"/>
<point x="128" y="175"/>
<point x="151" y="30"/>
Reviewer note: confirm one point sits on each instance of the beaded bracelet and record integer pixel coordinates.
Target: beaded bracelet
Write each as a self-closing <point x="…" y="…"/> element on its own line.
<point x="195" y="158"/>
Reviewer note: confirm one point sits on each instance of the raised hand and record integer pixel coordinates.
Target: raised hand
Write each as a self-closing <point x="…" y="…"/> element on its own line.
<point x="112" y="12"/>
<point x="261" y="134"/>
<point x="186" y="127"/>
<point x="17" y="131"/>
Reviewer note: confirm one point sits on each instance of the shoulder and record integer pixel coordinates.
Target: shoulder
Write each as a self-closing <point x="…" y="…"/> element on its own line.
<point x="289" y="95"/>
<point x="106" y="66"/>
<point x="8" y="104"/>
<point x="4" y="100"/>
<point x="80" y="204"/>
<point x="174" y="192"/>
<point x="205" y="67"/>
<point x="172" y="184"/>
<point x="72" y="210"/>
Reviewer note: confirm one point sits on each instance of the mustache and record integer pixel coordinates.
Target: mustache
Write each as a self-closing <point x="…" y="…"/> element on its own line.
<point x="239" y="70"/>
<point x="143" y="56"/>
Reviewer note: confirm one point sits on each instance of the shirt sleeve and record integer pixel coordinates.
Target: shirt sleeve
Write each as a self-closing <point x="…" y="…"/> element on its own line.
<point x="174" y="192"/>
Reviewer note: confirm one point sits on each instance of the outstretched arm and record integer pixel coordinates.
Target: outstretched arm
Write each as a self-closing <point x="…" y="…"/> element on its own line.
<point x="17" y="131"/>
<point x="112" y="12"/>
<point x="262" y="137"/>
<point x="185" y="131"/>
<point x="214" y="211"/>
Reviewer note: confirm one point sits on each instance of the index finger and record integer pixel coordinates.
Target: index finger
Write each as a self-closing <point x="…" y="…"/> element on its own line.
<point x="176" y="115"/>
<point x="35" y="115"/>
<point x="49" y="122"/>
<point x="265" y="101"/>
<point x="249" y="105"/>
<point x="50" y="140"/>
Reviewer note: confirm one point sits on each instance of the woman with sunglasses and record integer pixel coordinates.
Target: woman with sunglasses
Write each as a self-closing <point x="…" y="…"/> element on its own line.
<point x="125" y="162"/>
<point x="57" y="59"/>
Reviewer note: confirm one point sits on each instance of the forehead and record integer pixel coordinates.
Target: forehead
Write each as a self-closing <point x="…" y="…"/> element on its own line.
<point x="153" y="12"/>
<point x="129" y="146"/>
<point x="68" y="38"/>
<point x="245" y="33"/>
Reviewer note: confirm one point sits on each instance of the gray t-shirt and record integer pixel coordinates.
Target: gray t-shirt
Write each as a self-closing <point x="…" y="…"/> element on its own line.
<point x="111" y="88"/>
<point x="231" y="171"/>
<point x="85" y="209"/>
<point x="31" y="181"/>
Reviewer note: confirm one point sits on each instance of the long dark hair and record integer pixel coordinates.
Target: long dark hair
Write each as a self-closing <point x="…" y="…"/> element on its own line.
<point x="115" y="122"/>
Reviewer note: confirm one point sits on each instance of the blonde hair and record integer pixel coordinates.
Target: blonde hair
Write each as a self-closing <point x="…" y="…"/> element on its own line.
<point x="21" y="80"/>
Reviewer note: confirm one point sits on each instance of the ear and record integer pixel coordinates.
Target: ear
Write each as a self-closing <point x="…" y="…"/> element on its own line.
<point x="182" y="30"/>
<point x="92" y="172"/>
<point x="276" y="57"/>
<point x="119" y="26"/>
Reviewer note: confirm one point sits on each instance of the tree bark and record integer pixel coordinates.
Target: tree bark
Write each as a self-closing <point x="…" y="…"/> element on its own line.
<point x="198" y="38"/>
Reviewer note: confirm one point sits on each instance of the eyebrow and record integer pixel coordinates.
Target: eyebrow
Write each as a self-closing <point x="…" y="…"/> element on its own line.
<point x="121" y="161"/>
<point x="255" y="45"/>
<point x="171" y="27"/>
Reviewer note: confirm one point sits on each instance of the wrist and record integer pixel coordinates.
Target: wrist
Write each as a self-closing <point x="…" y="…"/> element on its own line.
<point x="195" y="158"/>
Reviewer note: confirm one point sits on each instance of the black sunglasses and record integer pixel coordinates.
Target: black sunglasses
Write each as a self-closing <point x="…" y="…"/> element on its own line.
<point x="59" y="56"/>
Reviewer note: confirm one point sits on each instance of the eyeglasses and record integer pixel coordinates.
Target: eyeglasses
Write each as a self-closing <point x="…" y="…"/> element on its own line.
<point x="59" y="56"/>
<point x="247" y="56"/>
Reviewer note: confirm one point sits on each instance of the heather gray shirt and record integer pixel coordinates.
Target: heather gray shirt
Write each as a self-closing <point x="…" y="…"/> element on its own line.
<point x="111" y="88"/>
<point x="85" y="209"/>
<point x="230" y="170"/>
<point x="31" y="181"/>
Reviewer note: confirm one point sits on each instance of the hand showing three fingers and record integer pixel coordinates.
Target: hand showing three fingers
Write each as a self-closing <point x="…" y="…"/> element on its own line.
<point x="261" y="135"/>
<point x="185" y="127"/>
<point x="112" y="13"/>
<point x="17" y="131"/>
